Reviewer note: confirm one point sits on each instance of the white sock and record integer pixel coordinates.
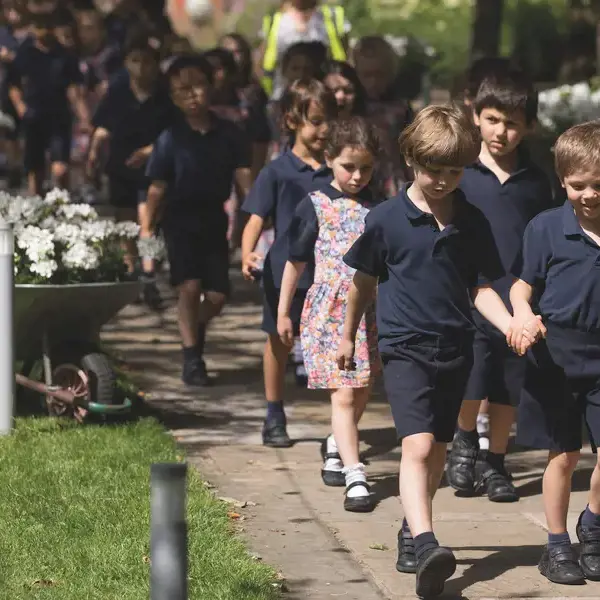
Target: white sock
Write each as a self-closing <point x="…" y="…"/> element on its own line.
<point x="332" y="464"/>
<point x="354" y="474"/>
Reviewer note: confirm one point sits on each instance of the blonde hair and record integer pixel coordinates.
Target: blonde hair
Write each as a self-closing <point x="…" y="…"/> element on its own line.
<point x="441" y="135"/>
<point x="578" y="149"/>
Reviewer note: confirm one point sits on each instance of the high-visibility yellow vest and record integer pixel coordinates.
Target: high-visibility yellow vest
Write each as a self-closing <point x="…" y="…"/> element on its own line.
<point x="333" y="18"/>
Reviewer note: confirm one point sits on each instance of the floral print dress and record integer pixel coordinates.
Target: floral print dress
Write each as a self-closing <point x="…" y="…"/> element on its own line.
<point x="325" y="226"/>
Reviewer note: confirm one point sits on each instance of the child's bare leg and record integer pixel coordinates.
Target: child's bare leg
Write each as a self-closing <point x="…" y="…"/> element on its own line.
<point x="343" y="425"/>
<point x="594" y="496"/>
<point x="188" y="307"/>
<point x="437" y="463"/>
<point x="129" y="247"/>
<point x="415" y="481"/>
<point x="588" y="529"/>
<point x="35" y="182"/>
<point x="60" y="174"/>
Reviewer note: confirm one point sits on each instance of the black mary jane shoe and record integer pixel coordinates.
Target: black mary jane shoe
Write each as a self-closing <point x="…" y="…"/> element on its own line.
<point x="559" y="565"/>
<point x="407" y="559"/>
<point x="360" y="504"/>
<point x="589" y="551"/>
<point x="434" y="568"/>
<point x="331" y="478"/>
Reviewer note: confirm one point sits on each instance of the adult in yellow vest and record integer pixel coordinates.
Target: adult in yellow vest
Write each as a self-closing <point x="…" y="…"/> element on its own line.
<point x="299" y="21"/>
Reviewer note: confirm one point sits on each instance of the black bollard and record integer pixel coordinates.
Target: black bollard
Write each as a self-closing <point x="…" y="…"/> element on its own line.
<point x="168" y="532"/>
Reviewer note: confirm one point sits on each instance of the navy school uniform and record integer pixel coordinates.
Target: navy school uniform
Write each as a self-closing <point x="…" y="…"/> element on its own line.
<point x="199" y="170"/>
<point x="9" y="41"/>
<point x="562" y="381"/>
<point x="276" y="193"/>
<point x="44" y="78"/>
<point x="497" y="372"/>
<point x="424" y="317"/>
<point x="132" y="125"/>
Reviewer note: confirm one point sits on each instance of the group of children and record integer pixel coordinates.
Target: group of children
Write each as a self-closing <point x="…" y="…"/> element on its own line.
<point x="471" y="283"/>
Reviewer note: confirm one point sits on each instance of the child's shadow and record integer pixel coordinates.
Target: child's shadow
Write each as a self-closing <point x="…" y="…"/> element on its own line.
<point x="500" y="560"/>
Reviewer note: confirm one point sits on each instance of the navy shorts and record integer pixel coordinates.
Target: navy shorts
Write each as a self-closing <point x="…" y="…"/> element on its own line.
<point x="271" y="304"/>
<point x="193" y="257"/>
<point x="561" y="392"/>
<point x="125" y="193"/>
<point x="498" y="373"/>
<point x="425" y="384"/>
<point x="42" y="135"/>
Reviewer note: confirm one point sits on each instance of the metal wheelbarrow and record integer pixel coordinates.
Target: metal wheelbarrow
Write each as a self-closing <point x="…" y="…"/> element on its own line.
<point x="60" y="324"/>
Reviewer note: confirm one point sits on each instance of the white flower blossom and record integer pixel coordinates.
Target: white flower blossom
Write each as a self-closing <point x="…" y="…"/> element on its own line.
<point x="73" y="212"/>
<point x="97" y="231"/>
<point x="81" y="256"/>
<point x="57" y="196"/>
<point x="567" y="105"/>
<point x="37" y="243"/>
<point x="127" y="229"/>
<point x="44" y="268"/>
<point x="67" y="233"/>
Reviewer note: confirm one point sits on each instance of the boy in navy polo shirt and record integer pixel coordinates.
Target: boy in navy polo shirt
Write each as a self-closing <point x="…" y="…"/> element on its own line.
<point x="131" y="115"/>
<point x="429" y="253"/>
<point x="561" y="271"/>
<point x="510" y="190"/>
<point x="278" y="190"/>
<point x="45" y="81"/>
<point x="192" y="168"/>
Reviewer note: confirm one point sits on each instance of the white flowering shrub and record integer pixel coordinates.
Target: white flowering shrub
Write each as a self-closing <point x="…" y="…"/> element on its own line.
<point x="568" y="105"/>
<point x="59" y="242"/>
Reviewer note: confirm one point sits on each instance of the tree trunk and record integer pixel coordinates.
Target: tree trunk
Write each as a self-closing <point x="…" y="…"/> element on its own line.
<point x="487" y="27"/>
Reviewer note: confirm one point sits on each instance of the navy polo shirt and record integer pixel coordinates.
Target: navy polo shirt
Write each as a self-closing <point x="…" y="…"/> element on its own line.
<point x="276" y="193"/>
<point x="562" y="264"/>
<point x="508" y="207"/>
<point x="199" y="169"/>
<point x="44" y="78"/>
<point x="132" y="124"/>
<point x="425" y="275"/>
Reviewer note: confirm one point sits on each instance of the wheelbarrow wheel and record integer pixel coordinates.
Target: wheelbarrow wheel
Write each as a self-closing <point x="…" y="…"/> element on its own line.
<point x="89" y="375"/>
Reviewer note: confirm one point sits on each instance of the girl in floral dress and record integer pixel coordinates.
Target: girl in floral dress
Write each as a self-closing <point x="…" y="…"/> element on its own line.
<point x="325" y="226"/>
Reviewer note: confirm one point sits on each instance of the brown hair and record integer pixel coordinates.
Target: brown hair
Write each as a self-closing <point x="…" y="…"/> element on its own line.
<point x="578" y="149"/>
<point x="298" y="97"/>
<point x="355" y="132"/>
<point x="376" y="46"/>
<point x="441" y="135"/>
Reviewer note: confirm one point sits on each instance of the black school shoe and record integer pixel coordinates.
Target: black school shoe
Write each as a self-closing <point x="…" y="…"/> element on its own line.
<point x="559" y="565"/>
<point x="433" y="569"/>
<point x="589" y="551"/>
<point x="460" y="467"/>
<point x="495" y="483"/>
<point x="407" y="559"/>
<point x="195" y="373"/>
<point x="360" y="504"/>
<point x="331" y="478"/>
<point x="274" y="435"/>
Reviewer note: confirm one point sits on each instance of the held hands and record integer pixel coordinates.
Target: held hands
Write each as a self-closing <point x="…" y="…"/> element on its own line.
<point x="524" y="331"/>
<point x="251" y="262"/>
<point x="345" y="356"/>
<point x="285" y="330"/>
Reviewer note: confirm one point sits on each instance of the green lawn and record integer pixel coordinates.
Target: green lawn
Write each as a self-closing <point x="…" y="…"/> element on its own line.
<point x="75" y="522"/>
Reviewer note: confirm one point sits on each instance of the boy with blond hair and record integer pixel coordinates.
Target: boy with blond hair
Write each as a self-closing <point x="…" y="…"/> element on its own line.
<point x="560" y="271"/>
<point x="430" y="254"/>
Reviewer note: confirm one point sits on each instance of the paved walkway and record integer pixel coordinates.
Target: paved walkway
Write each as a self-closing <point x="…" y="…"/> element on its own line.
<point x="294" y="522"/>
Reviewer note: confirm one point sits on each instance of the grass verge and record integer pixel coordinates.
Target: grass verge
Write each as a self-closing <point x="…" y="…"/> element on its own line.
<point x="75" y="518"/>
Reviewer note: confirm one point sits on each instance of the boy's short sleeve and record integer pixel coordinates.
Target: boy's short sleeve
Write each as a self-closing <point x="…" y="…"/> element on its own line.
<point x="533" y="264"/>
<point x="262" y="198"/>
<point x="368" y="254"/>
<point x="488" y="262"/>
<point x="303" y="232"/>
<point x="161" y="165"/>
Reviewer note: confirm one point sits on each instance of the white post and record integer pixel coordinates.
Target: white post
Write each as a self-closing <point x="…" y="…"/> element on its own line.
<point x="7" y="363"/>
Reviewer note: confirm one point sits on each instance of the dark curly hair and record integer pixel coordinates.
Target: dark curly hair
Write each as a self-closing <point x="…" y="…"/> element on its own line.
<point x="355" y="132"/>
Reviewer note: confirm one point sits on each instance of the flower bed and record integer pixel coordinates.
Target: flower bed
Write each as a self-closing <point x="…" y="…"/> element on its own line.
<point x="57" y="242"/>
